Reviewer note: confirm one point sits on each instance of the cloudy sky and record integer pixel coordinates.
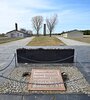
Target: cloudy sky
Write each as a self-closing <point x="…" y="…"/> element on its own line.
<point x="72" y="14"/>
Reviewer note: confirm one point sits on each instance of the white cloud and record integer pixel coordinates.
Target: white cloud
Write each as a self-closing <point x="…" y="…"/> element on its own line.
<point x="28" y="4"/>
<point x="20" y="11"/>
<point x="8" y="16"/>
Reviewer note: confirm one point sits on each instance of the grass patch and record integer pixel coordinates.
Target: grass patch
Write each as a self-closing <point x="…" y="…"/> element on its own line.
<point x="84" y="39"/>
<point x="6" y="39"/>
<point x="45" y="41"/>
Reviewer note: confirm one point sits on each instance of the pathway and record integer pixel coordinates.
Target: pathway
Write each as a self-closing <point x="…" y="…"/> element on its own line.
<point x="7" y="51"/>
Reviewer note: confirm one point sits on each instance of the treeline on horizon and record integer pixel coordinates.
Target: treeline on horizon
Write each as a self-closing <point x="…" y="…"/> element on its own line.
<point x="86" y="32"/>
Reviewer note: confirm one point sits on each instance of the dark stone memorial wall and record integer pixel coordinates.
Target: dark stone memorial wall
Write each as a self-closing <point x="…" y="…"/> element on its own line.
<point x="45" y="55"/>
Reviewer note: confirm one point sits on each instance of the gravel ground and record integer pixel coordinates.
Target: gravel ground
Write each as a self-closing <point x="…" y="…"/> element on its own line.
<point x="79" y="86"/>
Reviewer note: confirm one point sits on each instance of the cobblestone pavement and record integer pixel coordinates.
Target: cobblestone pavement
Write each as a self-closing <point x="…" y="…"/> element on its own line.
<point x="79" y="86"/>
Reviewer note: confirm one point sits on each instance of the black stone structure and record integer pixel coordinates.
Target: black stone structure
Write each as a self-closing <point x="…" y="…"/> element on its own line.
<point x="45" y="55"/>
<point x="44" y="30"/>
<point x="16" y="27"/>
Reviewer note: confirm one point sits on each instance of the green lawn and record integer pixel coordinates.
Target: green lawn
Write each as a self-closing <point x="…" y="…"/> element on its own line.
<point x="6" y="39"/>
<point x="45" y="41"/>
<point x="84" y="39"/>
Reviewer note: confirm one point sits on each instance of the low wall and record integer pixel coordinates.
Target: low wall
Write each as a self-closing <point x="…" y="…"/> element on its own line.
<point x="45" y="55"/>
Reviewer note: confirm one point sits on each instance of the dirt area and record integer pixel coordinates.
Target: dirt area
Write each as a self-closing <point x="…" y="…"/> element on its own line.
<point x="84" y="39"/>
<point x="6" y="39"/>
<point x="45" y="41"/>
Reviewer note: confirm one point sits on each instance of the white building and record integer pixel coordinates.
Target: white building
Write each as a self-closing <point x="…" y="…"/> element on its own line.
<point x="17" y="34"/>
<point x="73" y="34"/>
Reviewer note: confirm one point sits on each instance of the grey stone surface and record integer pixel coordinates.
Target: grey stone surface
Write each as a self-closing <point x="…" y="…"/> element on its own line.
<point x="44" y="97"/>
<point x="7" y="51"/>
<point x="85" y="69"/>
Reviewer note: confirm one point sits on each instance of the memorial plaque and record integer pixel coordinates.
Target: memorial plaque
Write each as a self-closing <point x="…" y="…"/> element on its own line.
<point x="46" y="79"/>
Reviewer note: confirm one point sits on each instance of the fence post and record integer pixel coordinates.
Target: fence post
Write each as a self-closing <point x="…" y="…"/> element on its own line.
<point x="15" y="60"/>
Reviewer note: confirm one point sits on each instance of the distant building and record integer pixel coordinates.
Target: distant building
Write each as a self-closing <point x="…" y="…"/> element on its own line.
<point x="72" y="34"/>
<point x="30" y="32"/>
<point x="18" y="34"/>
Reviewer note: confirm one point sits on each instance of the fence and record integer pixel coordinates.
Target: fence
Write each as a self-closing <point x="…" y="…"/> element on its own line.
<point x="14" y="57"/>
<point x="14" y="84"/>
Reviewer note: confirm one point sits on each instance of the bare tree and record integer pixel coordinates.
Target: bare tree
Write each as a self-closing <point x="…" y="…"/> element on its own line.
<point x="37" y="23"/>
<point x="51" y="23"/>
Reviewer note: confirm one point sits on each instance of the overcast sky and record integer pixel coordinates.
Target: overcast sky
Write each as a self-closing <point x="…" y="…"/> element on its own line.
<point x="72" y="14"/>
